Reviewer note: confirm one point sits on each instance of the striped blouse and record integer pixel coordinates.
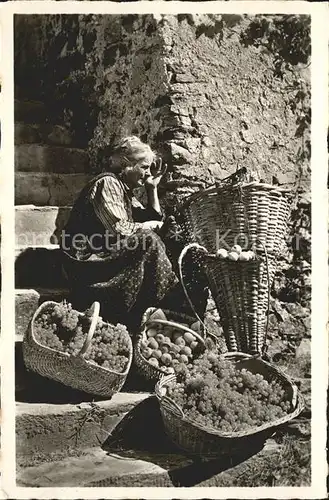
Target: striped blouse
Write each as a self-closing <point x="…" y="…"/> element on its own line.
<point x="116" y="207"/>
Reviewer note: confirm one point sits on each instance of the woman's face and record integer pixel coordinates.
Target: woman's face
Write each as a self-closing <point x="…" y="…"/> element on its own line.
<point x="136" y="176"/>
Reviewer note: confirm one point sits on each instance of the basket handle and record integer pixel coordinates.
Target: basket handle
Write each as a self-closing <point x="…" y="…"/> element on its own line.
<point x="180" y="264"/>
<point x="95" y="307"/>
<point x="268" y="296"/>
<point x="171" y="406"/>
<point x="175" y="325"/>
<point x="239" y="355"/>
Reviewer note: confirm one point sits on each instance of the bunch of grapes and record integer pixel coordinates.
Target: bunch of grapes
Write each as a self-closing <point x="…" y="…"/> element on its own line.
<point x="109" y="347"/>
<point x="64" y="330"/>
<point x="216" y="394"/>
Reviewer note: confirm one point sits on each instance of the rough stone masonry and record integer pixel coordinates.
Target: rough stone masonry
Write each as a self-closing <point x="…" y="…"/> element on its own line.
<point x="211" y="92"/>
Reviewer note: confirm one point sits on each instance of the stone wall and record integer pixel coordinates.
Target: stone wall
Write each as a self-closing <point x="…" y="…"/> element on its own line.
<point x="211" y="93"/>
<point x="201" y="88"/>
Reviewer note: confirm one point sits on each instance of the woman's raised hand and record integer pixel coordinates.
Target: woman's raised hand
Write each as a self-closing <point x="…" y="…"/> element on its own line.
<point x="157" y="172"/>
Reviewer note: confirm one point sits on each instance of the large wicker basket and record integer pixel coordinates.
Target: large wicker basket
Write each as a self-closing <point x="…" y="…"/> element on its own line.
<point x="72" y="371"/>
<point x="144" y="368"/>
<point x="193" y="438"/>
<point x="241" y="291"/>
<point x="250" y="214"/>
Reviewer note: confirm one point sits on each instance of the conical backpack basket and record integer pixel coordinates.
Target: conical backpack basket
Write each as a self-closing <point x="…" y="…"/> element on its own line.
<point x="254" y="215"/>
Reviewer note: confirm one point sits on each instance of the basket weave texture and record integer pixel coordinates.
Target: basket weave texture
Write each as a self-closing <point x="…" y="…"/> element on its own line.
<point x="240" y="290"/>
<point x="72" y="371"/>
<point x="251" y="214"/>
<point x="208" y="442"/>
<point x="144" y="368"/>
<point x="254" y="215"/>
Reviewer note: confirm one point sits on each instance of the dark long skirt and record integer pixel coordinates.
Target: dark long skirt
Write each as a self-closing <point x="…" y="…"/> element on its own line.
<point x="131" y="275"/>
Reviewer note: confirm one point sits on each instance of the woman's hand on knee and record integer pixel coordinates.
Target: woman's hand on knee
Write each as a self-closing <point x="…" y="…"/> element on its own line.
<point x="155" y="225"/>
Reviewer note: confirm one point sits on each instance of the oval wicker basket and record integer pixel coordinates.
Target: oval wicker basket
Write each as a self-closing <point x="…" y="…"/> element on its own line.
<point x="144" y="368"/>
<point x="72" y="371"/>
<point x="196" y="439"/>
<point x="254" y="213"/>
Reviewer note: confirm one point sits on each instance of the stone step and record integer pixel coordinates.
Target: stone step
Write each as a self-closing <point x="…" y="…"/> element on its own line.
<point x="30" y="111"/>
<point x="94" y="467"/>
<point x="39" y="267"/>
<point x="52" y="159"/>
<point x="44" y="428"/>
<point x="48" y="189"/>
<point x="28" y="300"/>
<point x="102" y="467"/>
<point x="39" y="226"/>
<point x="35" y="133"/>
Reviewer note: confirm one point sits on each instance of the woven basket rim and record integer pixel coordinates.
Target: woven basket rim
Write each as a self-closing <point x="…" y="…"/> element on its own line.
<point x="142" y="335"/>
<point x="67" y="356"/>
<point x="249" y="185"/>
<point x="231" y="435"/>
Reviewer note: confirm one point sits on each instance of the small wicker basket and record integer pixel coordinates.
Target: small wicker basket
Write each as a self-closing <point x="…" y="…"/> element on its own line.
<point x="251" y="214"/>
<point x="73" y="371"/>
<point x="177" y="320"/>
<point x="196" y="439"/>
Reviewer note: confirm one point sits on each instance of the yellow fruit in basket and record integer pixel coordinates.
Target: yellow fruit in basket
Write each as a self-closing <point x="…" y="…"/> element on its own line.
<point x="233" y="256"/>
<point x="180" y="341"/>
<point x="186" y="350"/>
<point x="196" y="326"/>
<point x="158" y="314"/>
<point x="154" y="362"/>
<point x="175" y="348"/>
<point x="147" y="353"/>
<point x="176" y="334"/>
<point x="188" y="337"/>
<point x="236" y="248"/>
<point x="159" y="338"/>
<point x="164" y="348"/>
<point x="156" y="353"/>
<point x="166" y="359"/>
<point x="168" y="331"/>
<point x="252" y="255"/>
<point x="144" y="344"/>
<point x="183" y="359"/>
<point x="194" y="345"/>
<point x="151" y="332"/>
<point x="222" y="253"/>
<point x="152" y="343"/>
<point x="245" y="256"/>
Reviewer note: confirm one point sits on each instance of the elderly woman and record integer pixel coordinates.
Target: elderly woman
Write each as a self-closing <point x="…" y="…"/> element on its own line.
<point x="111" y="244"/>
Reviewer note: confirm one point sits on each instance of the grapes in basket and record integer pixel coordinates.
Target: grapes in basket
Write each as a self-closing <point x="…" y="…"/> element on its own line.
<point x="216" y="394"/>
<point x="64" y="329"/>
<point x="167" y="347"/>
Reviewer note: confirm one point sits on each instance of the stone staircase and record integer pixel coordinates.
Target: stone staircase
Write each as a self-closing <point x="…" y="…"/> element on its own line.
<point x="53" y="423"/>
<point x="49" y="172"/>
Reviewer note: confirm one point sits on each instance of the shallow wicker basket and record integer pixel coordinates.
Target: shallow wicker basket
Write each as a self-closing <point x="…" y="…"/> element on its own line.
<point x="196" y="439"/>
<point x="177" y="320"/>
<point x="72" y="371"/>
<point x="250" y="214"/>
